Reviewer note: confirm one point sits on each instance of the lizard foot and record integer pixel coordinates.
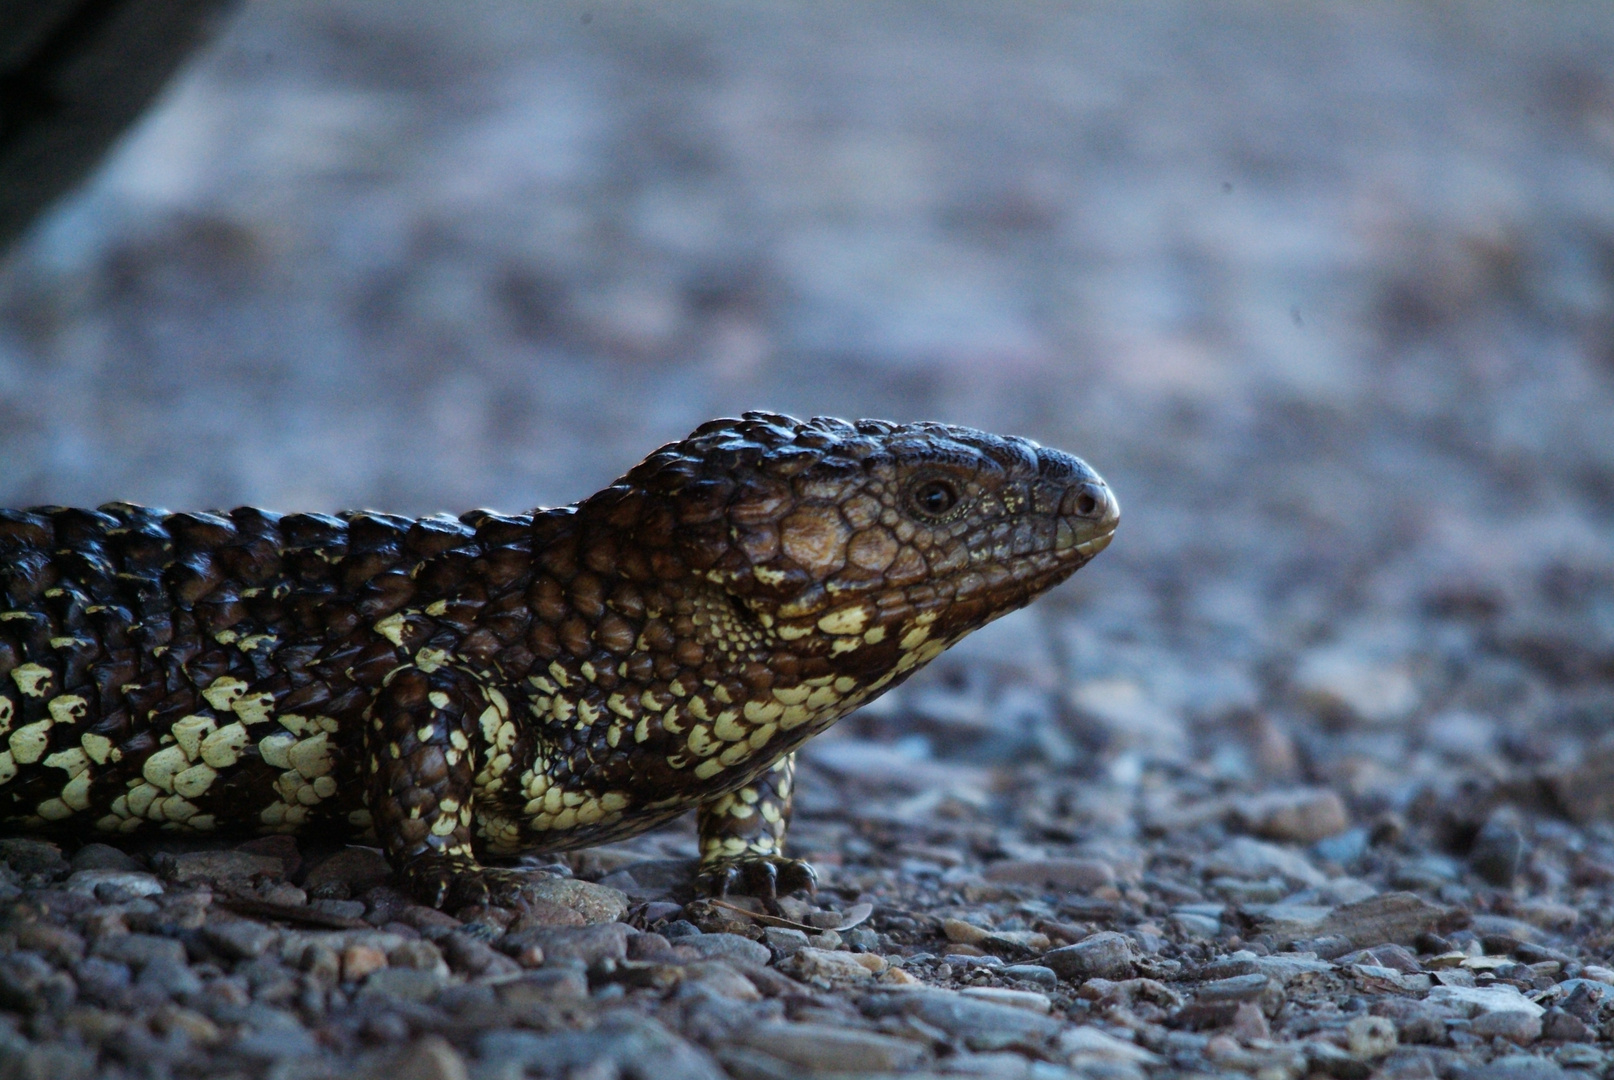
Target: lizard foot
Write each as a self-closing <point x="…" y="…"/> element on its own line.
<point x="449" y="883"/>
<point x="764" y="876"/>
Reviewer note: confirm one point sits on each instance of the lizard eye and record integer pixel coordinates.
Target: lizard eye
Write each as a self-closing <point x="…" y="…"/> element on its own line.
<point x="933" y="497"/>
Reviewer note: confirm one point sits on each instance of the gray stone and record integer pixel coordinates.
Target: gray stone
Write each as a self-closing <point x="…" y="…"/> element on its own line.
<point x="221" y="868"/>
<point x="1498" y="850"/>
<point x="1561" y="1026"/>
<point x="1246" y="857"/>
<point x="240" y="940"/>
<point x="584" y="946"/>
<point x="597" y="904"/>
<point x="1192" y="924"/>
<point x="827" y="1048"/>
<point x="1516" y="1067"/>
<point x="1080" y="875"/>
<point x="103" y="857"/>
<point x="1235" y="988"/>
<point x="138" y="950"/>
<point x="1105" y="955"/>
<point x="1477" y="1000"/>
<point x="114" y="886"/>
<point x="784" y="940"/>
<point x="28" y="856"/>
<point x="1036" y="974"/>
<point x="28" y="982"/>
<point x="982" y="1025"/>
<point x="1512" y="1025"/>
<point x="1302" y="815"/>
<point x="407" y="984"/>
<point x="729" y="946"/>
<point x="170" y="979"/>
<point x="638" y="1047"/>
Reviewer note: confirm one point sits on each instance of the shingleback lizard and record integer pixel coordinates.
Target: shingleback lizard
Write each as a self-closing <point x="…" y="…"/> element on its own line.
<point x="455" y="689"/>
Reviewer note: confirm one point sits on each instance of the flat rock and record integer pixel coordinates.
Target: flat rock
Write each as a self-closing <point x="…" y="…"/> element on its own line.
<point x="726" y="946"/>
<point x="828" y="1048"/>
<point x="1246" y="857"/>
<point x="1394" y="918"/>
<point x="982" y="1025"/>
<point x="581" y="945"/>
<point x="595" y="903"/>
<point x="1477" y="1000"/>
<point x="353" y="871"/>
<point x="1105" y="955"/>
<point x="822" y="965"/>
<point x="221" y="868"/>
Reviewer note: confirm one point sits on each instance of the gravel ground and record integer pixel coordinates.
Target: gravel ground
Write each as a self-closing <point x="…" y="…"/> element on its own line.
<point x="1308" y="774"/>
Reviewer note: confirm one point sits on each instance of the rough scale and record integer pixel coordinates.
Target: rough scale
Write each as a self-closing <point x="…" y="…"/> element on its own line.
<point x="465" y="689"/>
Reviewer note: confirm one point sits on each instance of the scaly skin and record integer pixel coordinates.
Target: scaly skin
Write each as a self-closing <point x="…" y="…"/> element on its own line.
<point x="456" y="690"/>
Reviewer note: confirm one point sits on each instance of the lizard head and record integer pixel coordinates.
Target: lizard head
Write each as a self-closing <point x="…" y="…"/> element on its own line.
<point x="865" y="548"/>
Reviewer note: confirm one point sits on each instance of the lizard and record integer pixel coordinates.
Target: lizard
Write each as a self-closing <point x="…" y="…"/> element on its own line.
<point x="458" y="690"/>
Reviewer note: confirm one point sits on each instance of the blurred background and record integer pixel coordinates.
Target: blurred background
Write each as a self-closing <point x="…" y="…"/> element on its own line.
<point x="1326" y="292"/>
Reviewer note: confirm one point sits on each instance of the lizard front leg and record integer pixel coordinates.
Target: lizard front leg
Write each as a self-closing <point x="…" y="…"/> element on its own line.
<point x="742" y="837"/>
<point x="420" y="750"/>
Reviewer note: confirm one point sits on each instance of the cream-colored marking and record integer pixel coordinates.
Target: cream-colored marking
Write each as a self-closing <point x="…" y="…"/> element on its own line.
<point x="561" y="710"/>
<point x="312" y="756"/>
<point x="847" y="620"/>
<point x="841" y="646"/>
<point x="120" y="806"/>
<point x="176" y="808"/>
<point x="256" y="641"/>
<point x="823" y="697"/>
<point x="273" y="747"/>
<point x="792" y="695"/>
<point x="767" y="575"/>
<point x="721" y="693"/>
<point x="222" y="692"/>
<point x="141" y="798"/>
<point x="613" y="735"/>
<point x="845" y="684"/>
<point x="874" y="635"/>
<point x="552" y="799"/>
<point x="392" y="628"/>
<point x="195" y="780"/>
<point x="709" y="768"/>
<point x="497" y="699"/>
<point x="788" y="632"/>
<point x="296" y="815"/>
<point x="273" y="814"/>
<point x="728" y="730"/>
<point x="770" y="812"/>
<point x="613" y="801"/>
<point x="67" y="709"/>
<point x="8" y="767"/>
<point x="53" y="810"/>
<point x="437" y="607"/>
<point x="222" y="748"/>
<point x="587" y="713"/>
<point x="324" y="786"/>
<point x="735" y="754"/>
<point x="759" y="738"/>
<point x="558" y="673"/>
<point x="748" y="795"/>
<point x="29" y="741"/>
<point x="74" y="760"/>
<point x="566" y="819"/>
<point x="254" y="708"/>
<point x="188" y="732"/>
<point x="930" y="650"/>
<point x="307" y="795"/>
<point x="96" y="747"/>
<point x="588" y="671"/>
<point x="438" y="699"/>
<point x="762" y="712"/>
<point x="31" y="679"/>
<point x="7" y="711"/>
<point x="202" y="821"/>
<point x="109" y="823"/>
<point x="226" y="637"/>
<point x="641" y="730"/>
<point x="700" y="741"/>
<point x="914" y="638"/>
<point x="429" y="660"/>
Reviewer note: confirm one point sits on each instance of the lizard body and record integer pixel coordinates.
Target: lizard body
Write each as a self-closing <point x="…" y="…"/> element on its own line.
<point x="491" y="685"/>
